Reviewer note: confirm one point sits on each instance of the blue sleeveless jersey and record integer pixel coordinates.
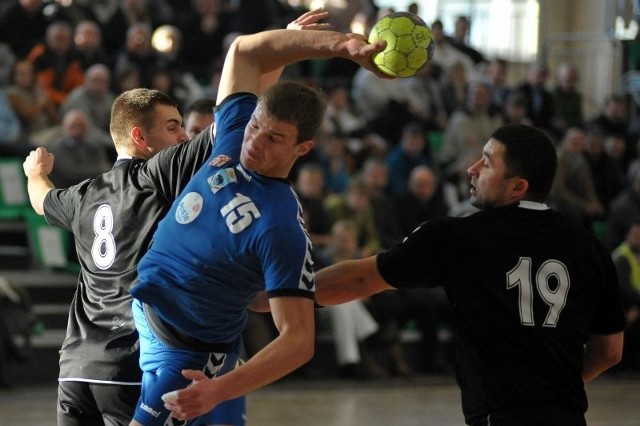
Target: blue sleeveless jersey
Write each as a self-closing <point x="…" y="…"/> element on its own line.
<point x="230" y="234"/>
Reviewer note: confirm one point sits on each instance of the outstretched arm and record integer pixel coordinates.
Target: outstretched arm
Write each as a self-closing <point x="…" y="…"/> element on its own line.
<point x="254" y="62"/>
<point x="603" y="352"/>
<point x="349" y="280"/>
<point x="37" y="167"/>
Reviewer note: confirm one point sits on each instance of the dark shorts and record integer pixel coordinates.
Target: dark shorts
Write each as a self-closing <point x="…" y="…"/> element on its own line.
<point x="94" y="404"/>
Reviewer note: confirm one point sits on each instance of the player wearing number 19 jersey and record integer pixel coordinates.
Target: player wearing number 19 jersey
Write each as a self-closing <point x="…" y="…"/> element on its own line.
<point x="535" y="296"/>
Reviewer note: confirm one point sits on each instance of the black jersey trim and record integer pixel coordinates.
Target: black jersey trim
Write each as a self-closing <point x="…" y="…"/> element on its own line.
<point x="174" y="338"/>
<point x="291" y="292"/>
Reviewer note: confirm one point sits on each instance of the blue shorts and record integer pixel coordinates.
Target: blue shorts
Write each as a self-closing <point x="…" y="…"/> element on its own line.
<point x="162" y="372"/>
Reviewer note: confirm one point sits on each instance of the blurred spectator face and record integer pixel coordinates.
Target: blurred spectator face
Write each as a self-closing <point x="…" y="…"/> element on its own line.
<point x="98" y="80"/>
<point x="376" y="177"/>
<point x="594" y="142"/>
<point x="31" y="6"/>
<point x="497" y="72"/>
<point x="138" y="40"/>
<point x="567" y="78"/>
<point x="479" y="98"/>
<point x="208" y="7"/>
<point x="422" y="183"/>
<point x="197" y="122"/>
<point x="615" y="110"/>
<point x="23" y="74"/>
<point x="574" y="142"/>
<point x="357" y="197"/>
<point x="413" y="142"/>
<point x="537" y="75"/>
<point x="344" y="239"/>
<point x="615" y="146"/>
<point x="87" y="37"/>
<point x="74" y="125"/>
<point x="310" y="183"/>
<point x="59" y="38"/>
<point x="633" y="238"/>
<point x="339" y="98"/>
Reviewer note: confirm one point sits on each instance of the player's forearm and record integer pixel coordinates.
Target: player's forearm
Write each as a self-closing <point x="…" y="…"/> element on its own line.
<point x="350" y="280"/>
<point x="602" y="353"/>
<point x="282" y="356"/>
<point x="38" y="188"/>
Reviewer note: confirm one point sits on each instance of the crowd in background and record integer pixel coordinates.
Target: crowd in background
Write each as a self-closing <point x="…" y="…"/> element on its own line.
<point x="390" y="155"/>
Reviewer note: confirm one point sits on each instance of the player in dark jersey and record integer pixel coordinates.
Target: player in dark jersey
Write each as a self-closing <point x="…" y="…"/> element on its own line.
<point x="237" y="229"/>
<point x="530" y="290"/>
<point x="112" y="218"/>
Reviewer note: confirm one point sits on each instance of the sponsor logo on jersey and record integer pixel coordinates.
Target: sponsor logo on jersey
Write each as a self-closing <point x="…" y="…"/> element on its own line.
<point x="244" y="173"/>
<point x="149" y="410"/>
<point x="221" y="179"/>
<point x="189" y="208"/>
<point x="220" y="160"/>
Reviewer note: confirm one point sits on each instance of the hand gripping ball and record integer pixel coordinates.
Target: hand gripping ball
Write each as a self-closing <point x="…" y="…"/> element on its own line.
<point x="409" y="40"/>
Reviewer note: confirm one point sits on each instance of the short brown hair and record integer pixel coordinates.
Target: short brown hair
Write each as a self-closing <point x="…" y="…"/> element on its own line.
<point x="134" y="108"/>
<point x="296" y="103"/>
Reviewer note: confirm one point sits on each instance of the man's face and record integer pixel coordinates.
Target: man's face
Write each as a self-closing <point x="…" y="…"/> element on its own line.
<point x="269" y="146"/>
<point x="166" y="129"/>
<point x="633" y="238"/>
<point x="490" y="188"/>
<point x="197" y="122"/>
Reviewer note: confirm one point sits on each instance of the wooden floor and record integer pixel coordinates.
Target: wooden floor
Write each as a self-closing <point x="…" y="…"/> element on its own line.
<point x="421" y="400"/>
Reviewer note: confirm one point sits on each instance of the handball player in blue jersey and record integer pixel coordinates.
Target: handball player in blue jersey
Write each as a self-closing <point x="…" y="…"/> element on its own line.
<point x="535" y="296"/>
<point x="237" y="230"/>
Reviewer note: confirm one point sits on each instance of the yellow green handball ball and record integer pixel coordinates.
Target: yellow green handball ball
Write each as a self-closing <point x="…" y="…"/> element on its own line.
<point x="409" y="40"/>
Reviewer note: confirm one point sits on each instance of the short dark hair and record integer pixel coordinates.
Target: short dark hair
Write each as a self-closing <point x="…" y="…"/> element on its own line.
<point x="297" y="103"/>
<point x="201" y="106"/>
<point x="530" y="154"/>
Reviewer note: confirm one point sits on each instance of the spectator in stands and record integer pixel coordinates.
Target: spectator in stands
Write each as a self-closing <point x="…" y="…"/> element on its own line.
<point x="342" y="119"/>
<point x="94" y="97"/>
<point x="385" y="104"/>
<point x="77" y="157"/>
<point x="87" y="41"/>
<point x="613" y="119"/>
<point x="447" y="54"/>
<point x="567" y="98"/>
<point x="432" y="112"/>
<point x="126" y="78"/>
<point x="540" y="101"/>
<point x="454" y="88"/>
<point x="337" y="161"/>
<point x="623" y="211"/>
<point x="514" y="110"/>
<point x="423" y="199"/>
<point x="58" y="67"/>
<point x="355" y="204"/>
<point x="496" y="78"/>
<point x="137" y="52"/>
<point x="460" y="40"/>
<point x="411" y="151"/>
<point x="351" y="322"/>
<point x="375" y="175"/>
<point x="309" y="187"/>
<point x="198" y="115"/>
<point x="573" y="192"/>
<point x="23" y="25"/>
<point x="130" y="13"/>
<point x="30" y="101"/>
<point x="626" y="257"/>
<point x="204" y="29"/>
<point x="608" y="177"/>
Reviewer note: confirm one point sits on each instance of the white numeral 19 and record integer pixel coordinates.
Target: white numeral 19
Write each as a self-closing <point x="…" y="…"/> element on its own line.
<point x="556" y="297"/>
